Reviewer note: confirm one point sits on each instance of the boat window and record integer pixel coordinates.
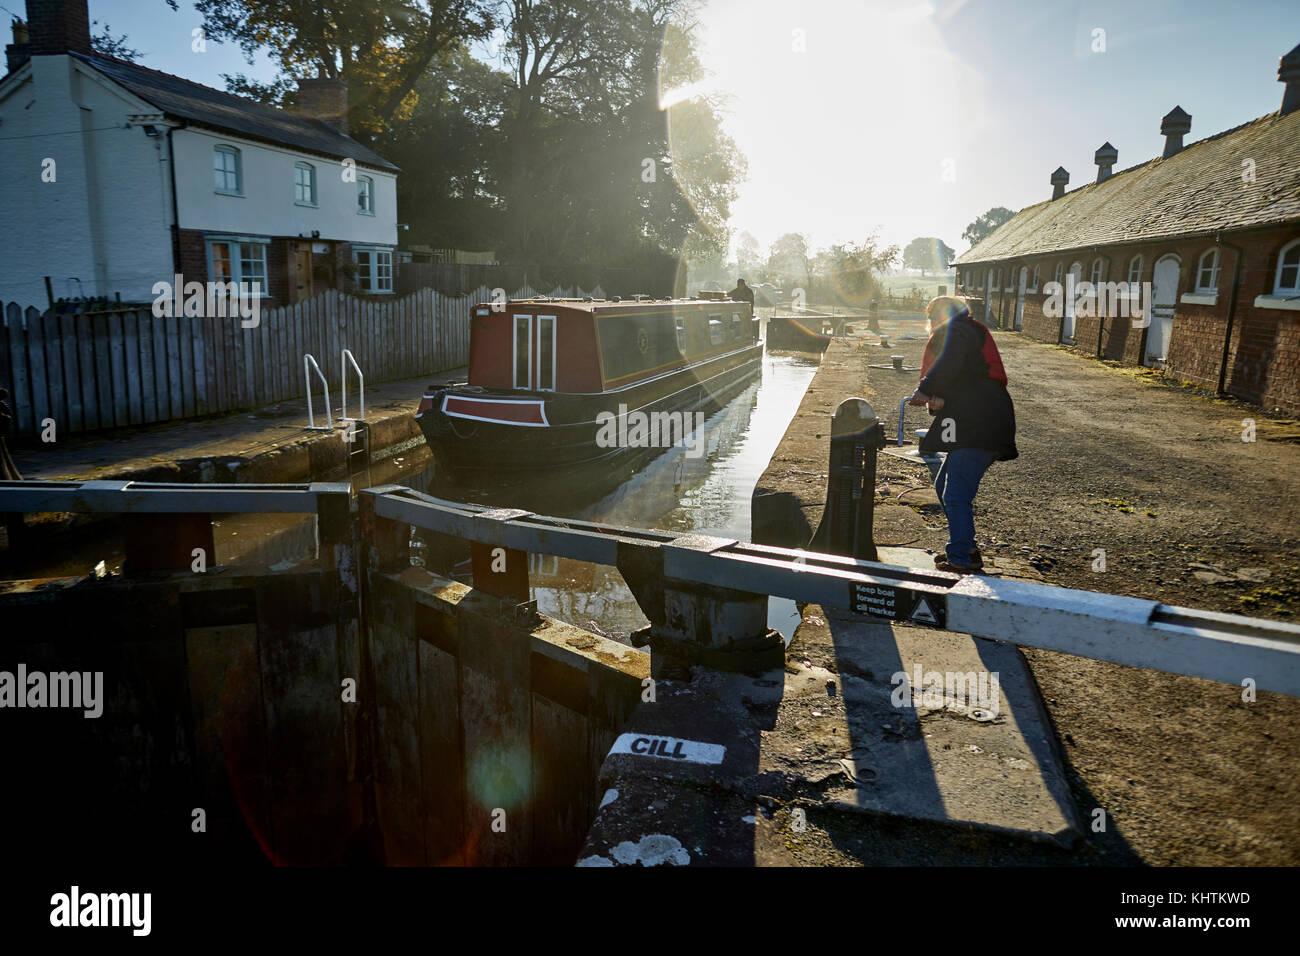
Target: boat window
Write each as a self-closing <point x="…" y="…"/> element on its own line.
<point x="546" y="353"/>
<point x="715" y="329"/>
<point x="735" y="325"/>
<point x="681" y="336"/>
<point x="523" y="351"/>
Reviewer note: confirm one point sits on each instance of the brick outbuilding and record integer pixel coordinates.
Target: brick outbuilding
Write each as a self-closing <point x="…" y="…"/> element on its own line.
<point x="1207" y="236"/>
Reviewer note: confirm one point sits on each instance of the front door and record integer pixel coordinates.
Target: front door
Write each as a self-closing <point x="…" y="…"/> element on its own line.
<point x="1067" y="327"/>
<point x="534" y="352"/>
<point x="523" y="351"/>
<point x="1019" y="321"/>
<point x="301" y="280"/>
<point x="1164" y="296"/>
<point x="545" y="353"/>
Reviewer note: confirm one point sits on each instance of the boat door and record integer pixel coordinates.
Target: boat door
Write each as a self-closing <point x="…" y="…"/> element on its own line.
<point x="1164" y="296"/>
<point x="534" y="352"/>
<point x="545" y="353"/>
<point x="1019" y="321"/>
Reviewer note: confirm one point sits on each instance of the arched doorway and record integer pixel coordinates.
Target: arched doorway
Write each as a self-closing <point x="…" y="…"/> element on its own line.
<point x="1071" y="292"/>
<point x="1164" y="297"/>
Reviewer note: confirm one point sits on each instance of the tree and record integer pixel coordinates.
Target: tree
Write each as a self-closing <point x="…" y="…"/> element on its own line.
<point x="105" y="44"/>
<point x="747" y="254"/>
<point x="787" y="261"/>
<point x="449" y="153"/>
<point x="847" y="273"/>
<point x="985" y="224"/>
<point x="379" y="49"/>
<point x="927" y="252"/>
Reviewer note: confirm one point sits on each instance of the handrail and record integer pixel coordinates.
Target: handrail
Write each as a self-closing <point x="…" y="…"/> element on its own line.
<point x="308" y="363"/>
<point x="344" y="358"/>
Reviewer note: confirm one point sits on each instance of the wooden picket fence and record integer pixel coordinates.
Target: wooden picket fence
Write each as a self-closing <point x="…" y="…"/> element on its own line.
<point x="90" y="371"/>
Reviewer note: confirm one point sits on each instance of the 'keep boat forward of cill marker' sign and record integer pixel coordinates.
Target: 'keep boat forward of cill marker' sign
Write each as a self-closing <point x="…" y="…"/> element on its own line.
<point x="899" y="604"/>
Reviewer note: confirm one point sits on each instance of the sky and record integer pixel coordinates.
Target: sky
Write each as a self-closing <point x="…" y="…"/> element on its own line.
<point x="911" y="117"/>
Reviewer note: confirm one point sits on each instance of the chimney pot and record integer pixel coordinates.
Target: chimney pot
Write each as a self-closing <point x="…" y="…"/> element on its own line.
<point x="1059" y="180"/>
<point x="326" y="99"/>
<point x="57" y="26"/>
<point x="1105" y="158"/>
<point x="1175" y="124"/>
<point x="18" y="52"/>
<point x="1288" y="72"/>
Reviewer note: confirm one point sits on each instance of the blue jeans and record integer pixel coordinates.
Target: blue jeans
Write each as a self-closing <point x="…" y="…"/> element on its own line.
<point x="956" y="484"/>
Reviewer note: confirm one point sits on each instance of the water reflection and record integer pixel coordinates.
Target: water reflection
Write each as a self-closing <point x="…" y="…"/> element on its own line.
<point x="709" y="494"/>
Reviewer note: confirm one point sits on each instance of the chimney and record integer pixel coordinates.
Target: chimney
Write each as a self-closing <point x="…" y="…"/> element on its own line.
<point x="1059" y="180"/>
<point x="1288" y="72"/>
<point x="325" y="99"/>
<point x="1172" y="127"/>
<point x="1105" y="158"/>
<point x="18" y="52"/>
<point x="58" y="26"/>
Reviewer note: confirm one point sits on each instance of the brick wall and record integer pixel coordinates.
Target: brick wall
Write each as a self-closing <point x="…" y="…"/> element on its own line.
<point x="1264" y="354"/>
<point x="194" y="263"/>
<point x="1036" y="324"/>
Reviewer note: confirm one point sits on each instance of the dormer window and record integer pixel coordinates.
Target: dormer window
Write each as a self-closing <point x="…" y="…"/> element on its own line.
<point x="304" y="184"/>
<point x="227" y="171"/>
<point x="1207" y="272"/>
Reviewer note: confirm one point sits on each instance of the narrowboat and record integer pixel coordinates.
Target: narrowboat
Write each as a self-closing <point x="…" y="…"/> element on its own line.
<point x="564" y="382"/>
<point x="800" y="333"/>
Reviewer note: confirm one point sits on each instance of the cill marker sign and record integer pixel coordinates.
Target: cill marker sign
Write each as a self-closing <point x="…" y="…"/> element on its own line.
<point x="899" y="604"/>
<point x="669" y="748"/>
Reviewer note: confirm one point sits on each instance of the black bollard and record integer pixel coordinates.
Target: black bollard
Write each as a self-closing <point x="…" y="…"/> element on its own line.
<point x="856" y="438"/>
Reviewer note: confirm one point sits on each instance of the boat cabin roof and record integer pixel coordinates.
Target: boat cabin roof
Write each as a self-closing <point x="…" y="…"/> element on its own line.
<point x="629" y="306"/>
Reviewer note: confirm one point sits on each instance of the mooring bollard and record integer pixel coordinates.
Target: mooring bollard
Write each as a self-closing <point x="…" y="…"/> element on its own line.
<point x="856" y="438"/>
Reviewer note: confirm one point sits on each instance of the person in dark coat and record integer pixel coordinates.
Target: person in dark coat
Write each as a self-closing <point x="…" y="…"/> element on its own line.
<point x="964" y="386"/>
<point x="741" y="293"/>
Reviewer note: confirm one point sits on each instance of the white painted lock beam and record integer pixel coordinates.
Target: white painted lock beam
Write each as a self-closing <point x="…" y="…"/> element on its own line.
<point x="1229" y="648"/>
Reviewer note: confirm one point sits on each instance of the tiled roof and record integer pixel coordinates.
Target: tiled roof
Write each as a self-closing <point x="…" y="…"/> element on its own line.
<point x="205" y="106"/>
<point x="1199" y="190"/>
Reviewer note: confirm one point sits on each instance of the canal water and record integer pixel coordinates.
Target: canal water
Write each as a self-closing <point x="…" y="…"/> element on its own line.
<point x="707" y="494"/>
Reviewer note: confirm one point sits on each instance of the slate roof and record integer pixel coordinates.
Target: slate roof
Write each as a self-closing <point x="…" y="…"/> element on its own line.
<point x="204" y="106"/>
<point x="1196" y="191"/>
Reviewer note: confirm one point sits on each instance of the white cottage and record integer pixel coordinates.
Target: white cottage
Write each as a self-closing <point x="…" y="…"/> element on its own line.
<point x="121" y="176"/>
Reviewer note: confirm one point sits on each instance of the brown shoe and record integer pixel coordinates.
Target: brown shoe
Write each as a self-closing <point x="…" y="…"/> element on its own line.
<point x="976" y="559"/>
<point x="946" y="565"/>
